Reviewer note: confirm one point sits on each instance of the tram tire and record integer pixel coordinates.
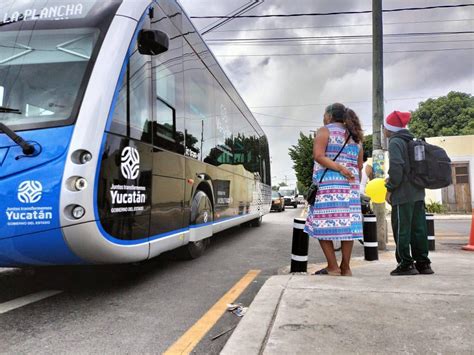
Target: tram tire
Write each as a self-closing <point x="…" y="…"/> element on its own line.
<point x="257" y="222"/>
<point x="201" y="212"/>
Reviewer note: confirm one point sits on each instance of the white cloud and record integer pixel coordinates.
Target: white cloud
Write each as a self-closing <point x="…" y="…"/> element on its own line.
<point x="303" y="80"/>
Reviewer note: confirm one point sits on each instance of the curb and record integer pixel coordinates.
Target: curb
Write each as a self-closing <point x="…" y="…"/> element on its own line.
<point x="255" y="327"/>
<point x="257" y="324"/>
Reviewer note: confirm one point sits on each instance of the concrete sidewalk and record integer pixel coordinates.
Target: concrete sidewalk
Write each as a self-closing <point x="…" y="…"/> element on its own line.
<point x="369" y="313"/>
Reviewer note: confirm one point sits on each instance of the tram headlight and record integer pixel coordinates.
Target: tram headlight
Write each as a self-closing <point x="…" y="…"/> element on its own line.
<point x="78" y="212"/>
<point x="76" y="183"/>
<point x="81" y="157"/>
<point x="80" y="184"/>
<point x="85" y="157"/>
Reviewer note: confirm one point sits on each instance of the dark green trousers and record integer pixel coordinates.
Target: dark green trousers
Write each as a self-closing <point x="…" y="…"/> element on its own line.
<point x="410" y="232"/>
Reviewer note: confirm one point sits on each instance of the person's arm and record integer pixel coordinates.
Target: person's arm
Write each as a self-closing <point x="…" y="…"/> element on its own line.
<point x="369" y="171"/>
<point x="360" y="161"/>
<point x="397" y="164"/>
<point x="319" y="154"/>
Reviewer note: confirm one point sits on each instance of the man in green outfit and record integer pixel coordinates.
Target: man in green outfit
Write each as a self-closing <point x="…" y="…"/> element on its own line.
<point x="407" y="200"/>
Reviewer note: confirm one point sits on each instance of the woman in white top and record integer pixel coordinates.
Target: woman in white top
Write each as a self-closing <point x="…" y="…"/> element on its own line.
<point x="366" y="174"/>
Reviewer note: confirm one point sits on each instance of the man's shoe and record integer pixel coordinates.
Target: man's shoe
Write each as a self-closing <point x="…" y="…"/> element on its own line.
<point x="424" y="268"/>
<point x="404" y="271"/>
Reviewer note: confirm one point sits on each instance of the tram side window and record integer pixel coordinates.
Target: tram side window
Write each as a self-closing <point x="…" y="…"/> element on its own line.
<point x="199" y="108"/>
<point x="165" y="119"/>
<point x="140" y="97"/>
<point x="264" y="161"/>
<point x="224" y="109"/>
<point x="120" y="118"/>
<point x="132" y="115"/>
<point x="246" y="145"/>
<point x="167" y="78"/>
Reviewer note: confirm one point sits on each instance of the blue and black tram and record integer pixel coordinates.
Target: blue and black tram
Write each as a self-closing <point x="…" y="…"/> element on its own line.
<point x="120" y="135"/>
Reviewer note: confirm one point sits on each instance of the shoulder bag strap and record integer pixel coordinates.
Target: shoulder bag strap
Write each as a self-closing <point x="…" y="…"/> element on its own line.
<point x="337" y="156"/>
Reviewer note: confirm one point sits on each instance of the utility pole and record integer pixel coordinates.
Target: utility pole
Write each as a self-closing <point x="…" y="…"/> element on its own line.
<point x="378" y="155"/>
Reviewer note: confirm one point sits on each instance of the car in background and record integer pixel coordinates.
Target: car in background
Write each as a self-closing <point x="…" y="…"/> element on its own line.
<point x="278" y="202"/>
<point x="289" y="194"/>
<point x="300" y="199"/>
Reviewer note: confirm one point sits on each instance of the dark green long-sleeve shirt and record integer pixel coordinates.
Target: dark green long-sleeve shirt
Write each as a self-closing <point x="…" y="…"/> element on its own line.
<point x="402" y="189"/>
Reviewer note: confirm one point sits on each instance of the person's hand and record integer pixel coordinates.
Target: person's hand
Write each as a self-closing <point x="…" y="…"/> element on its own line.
<point x="346" y="173"/>
<point x="388" y="198"/>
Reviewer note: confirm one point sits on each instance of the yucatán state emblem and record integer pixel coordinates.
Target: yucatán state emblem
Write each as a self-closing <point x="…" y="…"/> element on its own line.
<point x="30" y="191"/>
<point x="130" y="165"/>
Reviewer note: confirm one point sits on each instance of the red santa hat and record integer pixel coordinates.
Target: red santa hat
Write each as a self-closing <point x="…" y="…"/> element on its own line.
<point x="397" y="121"/>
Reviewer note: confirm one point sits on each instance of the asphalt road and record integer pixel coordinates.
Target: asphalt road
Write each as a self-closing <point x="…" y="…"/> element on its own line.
<point x="146" y="308"/>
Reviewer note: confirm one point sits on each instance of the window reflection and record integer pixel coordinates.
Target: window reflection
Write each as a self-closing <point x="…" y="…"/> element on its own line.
<point x="167" y="76"/>
<point x="132" y="116"/>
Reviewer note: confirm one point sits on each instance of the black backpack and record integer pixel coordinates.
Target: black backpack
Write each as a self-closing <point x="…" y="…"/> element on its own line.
<point x="430" y="166"/>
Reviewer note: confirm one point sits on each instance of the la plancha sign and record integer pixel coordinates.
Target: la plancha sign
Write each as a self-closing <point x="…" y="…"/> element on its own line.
<point x="64" y="11"/>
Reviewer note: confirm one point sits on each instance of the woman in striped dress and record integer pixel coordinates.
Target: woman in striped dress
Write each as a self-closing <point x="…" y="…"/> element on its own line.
<point x="336" y="213"/>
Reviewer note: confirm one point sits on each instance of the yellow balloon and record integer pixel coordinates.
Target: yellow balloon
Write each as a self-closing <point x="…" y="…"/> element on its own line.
<point x="376" y="190"/>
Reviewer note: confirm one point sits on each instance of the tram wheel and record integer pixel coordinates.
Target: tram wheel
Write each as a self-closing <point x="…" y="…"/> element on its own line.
<point x="201" y="213"/>
<point x="257" y="222"/>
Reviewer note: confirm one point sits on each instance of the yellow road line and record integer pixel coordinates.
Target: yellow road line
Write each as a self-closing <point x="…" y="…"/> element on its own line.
<point x="193" y="336"/>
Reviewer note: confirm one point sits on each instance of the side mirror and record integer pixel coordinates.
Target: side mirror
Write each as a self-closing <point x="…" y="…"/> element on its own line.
<point x="152" y="42"/>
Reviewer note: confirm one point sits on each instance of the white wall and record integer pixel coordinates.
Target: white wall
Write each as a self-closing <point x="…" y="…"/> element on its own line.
<point x="459" y="149"/>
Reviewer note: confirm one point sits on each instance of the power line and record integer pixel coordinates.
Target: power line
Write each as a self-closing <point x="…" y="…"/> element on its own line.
<point x="281" y="117"/>
<point x="342" y="26"/>
<point x="346" y="102"/>
<point x="205" y="29"/>
<point x="239" y="12"/>
<point x="340" y="53"/>
<point x="293" y="126"/>
<point x="406" y="34"/>
<point x="341" y="43"/>
<point x="294" y="120"/>
<point x="339" y="12"/>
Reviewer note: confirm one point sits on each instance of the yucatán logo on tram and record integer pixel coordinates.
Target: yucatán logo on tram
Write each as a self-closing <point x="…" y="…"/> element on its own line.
<point x="130" y="165"/>
<point x="29" y="193"/>
<point x="128" y="197"/>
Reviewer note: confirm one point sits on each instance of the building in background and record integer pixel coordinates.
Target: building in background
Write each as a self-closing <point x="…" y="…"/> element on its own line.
<point x="458" y="197"/>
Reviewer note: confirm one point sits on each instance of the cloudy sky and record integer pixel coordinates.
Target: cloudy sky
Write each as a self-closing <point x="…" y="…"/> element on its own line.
<point x="288" y="84"/>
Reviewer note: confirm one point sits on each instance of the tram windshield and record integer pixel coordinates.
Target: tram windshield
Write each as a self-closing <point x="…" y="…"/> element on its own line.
<point x="46" y="56"/>
<point x="41" y="73"/>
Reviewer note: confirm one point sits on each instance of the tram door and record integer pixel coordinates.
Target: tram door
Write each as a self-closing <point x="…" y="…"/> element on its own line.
<point x="167" y="210"/>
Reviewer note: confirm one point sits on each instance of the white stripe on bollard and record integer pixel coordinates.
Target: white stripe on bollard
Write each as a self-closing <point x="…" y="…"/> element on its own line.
<point x="298" y="225"/>
<point x="299" y="258"/>
<point x="430" y="218"/>
<point x="431" y="237"/>
<point x="371" y="244"/>
<point x="370" y="219"/>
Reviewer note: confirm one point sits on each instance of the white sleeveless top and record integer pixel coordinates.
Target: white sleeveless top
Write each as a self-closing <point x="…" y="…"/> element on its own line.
<point x="363" y="179"/>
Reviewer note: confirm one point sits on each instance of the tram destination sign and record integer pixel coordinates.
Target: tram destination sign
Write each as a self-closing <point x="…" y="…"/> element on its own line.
<point x="14" y="11"/>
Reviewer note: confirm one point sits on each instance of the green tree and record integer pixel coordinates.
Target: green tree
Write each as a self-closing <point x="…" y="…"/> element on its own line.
<point x="450" y="115"/>
<point x="301" y="188"/>
<point x="302" y="156"/>
<point x="368" y="145"/>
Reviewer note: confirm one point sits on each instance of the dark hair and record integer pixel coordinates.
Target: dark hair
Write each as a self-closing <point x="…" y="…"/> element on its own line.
<point x="342" y="114"/>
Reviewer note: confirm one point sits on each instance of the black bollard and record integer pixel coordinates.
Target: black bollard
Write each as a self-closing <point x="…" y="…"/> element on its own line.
<point x="371" y="244"/>
<point x="431" y="231"/>
<point x="299" y="247"/>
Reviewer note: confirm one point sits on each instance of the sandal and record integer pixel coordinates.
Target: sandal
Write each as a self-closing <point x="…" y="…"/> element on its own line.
<point x="327" y="272"/>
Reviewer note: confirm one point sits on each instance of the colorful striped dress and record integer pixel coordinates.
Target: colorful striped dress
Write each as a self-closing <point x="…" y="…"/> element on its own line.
<point x="336" y="213"/>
